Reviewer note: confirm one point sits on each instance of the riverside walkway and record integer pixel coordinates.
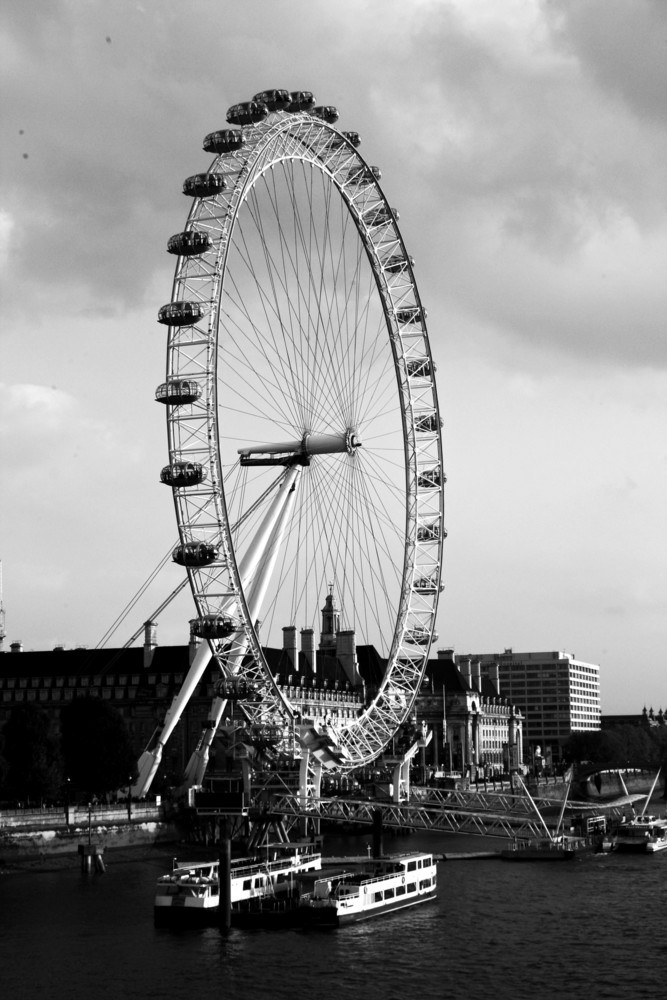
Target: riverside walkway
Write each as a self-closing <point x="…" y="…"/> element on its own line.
<point x="479" y="812"/>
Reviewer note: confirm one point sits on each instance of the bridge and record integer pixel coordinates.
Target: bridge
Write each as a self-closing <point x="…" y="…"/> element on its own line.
<point x="480" y="813"/>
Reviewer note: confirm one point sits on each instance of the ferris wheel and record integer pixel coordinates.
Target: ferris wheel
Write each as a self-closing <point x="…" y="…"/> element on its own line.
<point x="305" y="452"/>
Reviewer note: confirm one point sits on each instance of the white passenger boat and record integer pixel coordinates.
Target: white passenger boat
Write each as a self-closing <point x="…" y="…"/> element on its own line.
<point x="387" y="884"/>
<point x="191" y="891"/>
<point x="645" y="834"/>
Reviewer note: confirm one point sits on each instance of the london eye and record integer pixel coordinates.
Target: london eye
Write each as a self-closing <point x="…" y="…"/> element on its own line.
<point x="304" y="432"/>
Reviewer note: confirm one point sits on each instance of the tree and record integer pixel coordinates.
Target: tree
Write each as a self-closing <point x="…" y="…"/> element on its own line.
<point x="96" y="747"/>
<point x="33" y="765"/>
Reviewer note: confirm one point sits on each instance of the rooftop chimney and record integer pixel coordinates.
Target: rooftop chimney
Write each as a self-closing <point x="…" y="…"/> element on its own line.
<point x="289" y="647"/>
<point x="16" y="647"/>
<point x="308" y="650"/>
<point x="346" y="654"/>
<point x="150" y="642"/>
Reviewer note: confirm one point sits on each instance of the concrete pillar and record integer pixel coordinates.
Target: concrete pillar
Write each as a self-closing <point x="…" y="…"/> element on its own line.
<point x="378" y="845"/>
<point x="225" y="875"/>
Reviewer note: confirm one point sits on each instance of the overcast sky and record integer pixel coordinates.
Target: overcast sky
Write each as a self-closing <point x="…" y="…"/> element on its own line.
<point x="524" y="144"/>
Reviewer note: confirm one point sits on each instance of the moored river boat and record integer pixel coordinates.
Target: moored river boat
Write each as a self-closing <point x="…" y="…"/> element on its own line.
<point x="190" y="893"/>
<point x="382" y="886"/>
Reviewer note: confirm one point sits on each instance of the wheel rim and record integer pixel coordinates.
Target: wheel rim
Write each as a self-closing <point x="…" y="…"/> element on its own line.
<point x="308" y="322"/>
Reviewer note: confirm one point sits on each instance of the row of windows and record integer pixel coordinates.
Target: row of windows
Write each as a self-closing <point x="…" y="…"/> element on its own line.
<point x="10" y="683"/>
<point x="401" y="890"/>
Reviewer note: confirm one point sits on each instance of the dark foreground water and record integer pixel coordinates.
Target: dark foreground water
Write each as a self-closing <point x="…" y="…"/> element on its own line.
<point x="594" y="928"/>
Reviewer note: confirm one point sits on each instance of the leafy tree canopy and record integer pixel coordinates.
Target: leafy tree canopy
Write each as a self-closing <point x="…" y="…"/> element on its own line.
<point x="32" y="768"/>
<point x="97" y="752"/>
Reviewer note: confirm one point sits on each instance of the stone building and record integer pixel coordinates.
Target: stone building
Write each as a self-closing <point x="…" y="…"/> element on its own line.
<point x="476" y="731"/>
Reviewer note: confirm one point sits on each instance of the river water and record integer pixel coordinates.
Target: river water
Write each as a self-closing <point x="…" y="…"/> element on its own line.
<point x="593" y="928"/>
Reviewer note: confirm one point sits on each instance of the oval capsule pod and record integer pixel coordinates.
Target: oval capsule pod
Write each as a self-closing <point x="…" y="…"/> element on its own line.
<point x="188" y="243"/>
<point x="247" y="113"/>
<point x="275" y="100"/>
<point x="300" y="100"/>
<point x="327" y="113"/>
<point x="431" y="479"/>
<point x="213" y="626"/>
<point x="204" y="185"/>
<point x="428" y="532"/>
<point x="420" y="636"/>
<point x="195" y="554"/>
<point x="398" y="263"/>
<point x="180" y="313"/>
<point x="418" y="367"/>
<point x="226" y="140"/>
<point x="410" y="314"/>
<point x="427" y="423"/>
<point x="178" y="392"/>
<point x="183" y="474"/>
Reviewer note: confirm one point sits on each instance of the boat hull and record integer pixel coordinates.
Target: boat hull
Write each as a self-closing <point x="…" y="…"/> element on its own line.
<point x="330" y="916"/>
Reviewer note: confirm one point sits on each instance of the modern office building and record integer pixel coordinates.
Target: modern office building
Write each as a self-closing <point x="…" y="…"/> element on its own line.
<point x="557" y="695"/>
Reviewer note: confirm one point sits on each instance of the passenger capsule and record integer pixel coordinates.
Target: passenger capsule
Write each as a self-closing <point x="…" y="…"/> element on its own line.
<point x="236" y="689"/>
<point x="180" y="313"/>
<point x="419" y="367"/>
<point x="204" y="185"/>
<point x="420" y="636"/>
<point x="353" y="138"/>
<point x="225" y="141"/>
<point x="427" y="423"/>
<point x="275" y="100"/>
<point x="213" y="626"/>
<point x="410" y="314"/>
<point x="247" y="113"/>
<point x="188" y="243"/>
<point x="183" y="474"/>
<point x="428" y="532"/>
<point x="379" y="215"/>
<point x="178" y="392"/>
<point x="327" y="113"/>
<point x="195" y="554"/>
<point x="398" y="263"/>
<point x="428" y="585"/>
<point x="431" y="479"/>
<point x="300" y="100"/>
<point x="363" y="175"/>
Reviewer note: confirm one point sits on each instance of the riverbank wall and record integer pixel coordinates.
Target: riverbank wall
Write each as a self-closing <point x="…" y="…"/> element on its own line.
<point x="26" y="833"/>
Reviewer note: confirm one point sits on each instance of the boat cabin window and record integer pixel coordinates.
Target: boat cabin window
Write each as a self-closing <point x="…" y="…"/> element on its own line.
<point x="377" y="897"/>
<point x="247" y="883"/>
<point x="400" y="890"/>
<point x="412" y="886"/>
<point x="412" y="865"/>
<point x="389" y="894"/>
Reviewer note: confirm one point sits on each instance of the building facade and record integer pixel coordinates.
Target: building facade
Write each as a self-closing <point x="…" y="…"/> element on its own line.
<point x="477" y="730"/>
<point x="556" y="693"/>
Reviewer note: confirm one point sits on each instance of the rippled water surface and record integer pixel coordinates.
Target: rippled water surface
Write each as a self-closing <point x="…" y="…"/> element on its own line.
<point x="594" y="928"/>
